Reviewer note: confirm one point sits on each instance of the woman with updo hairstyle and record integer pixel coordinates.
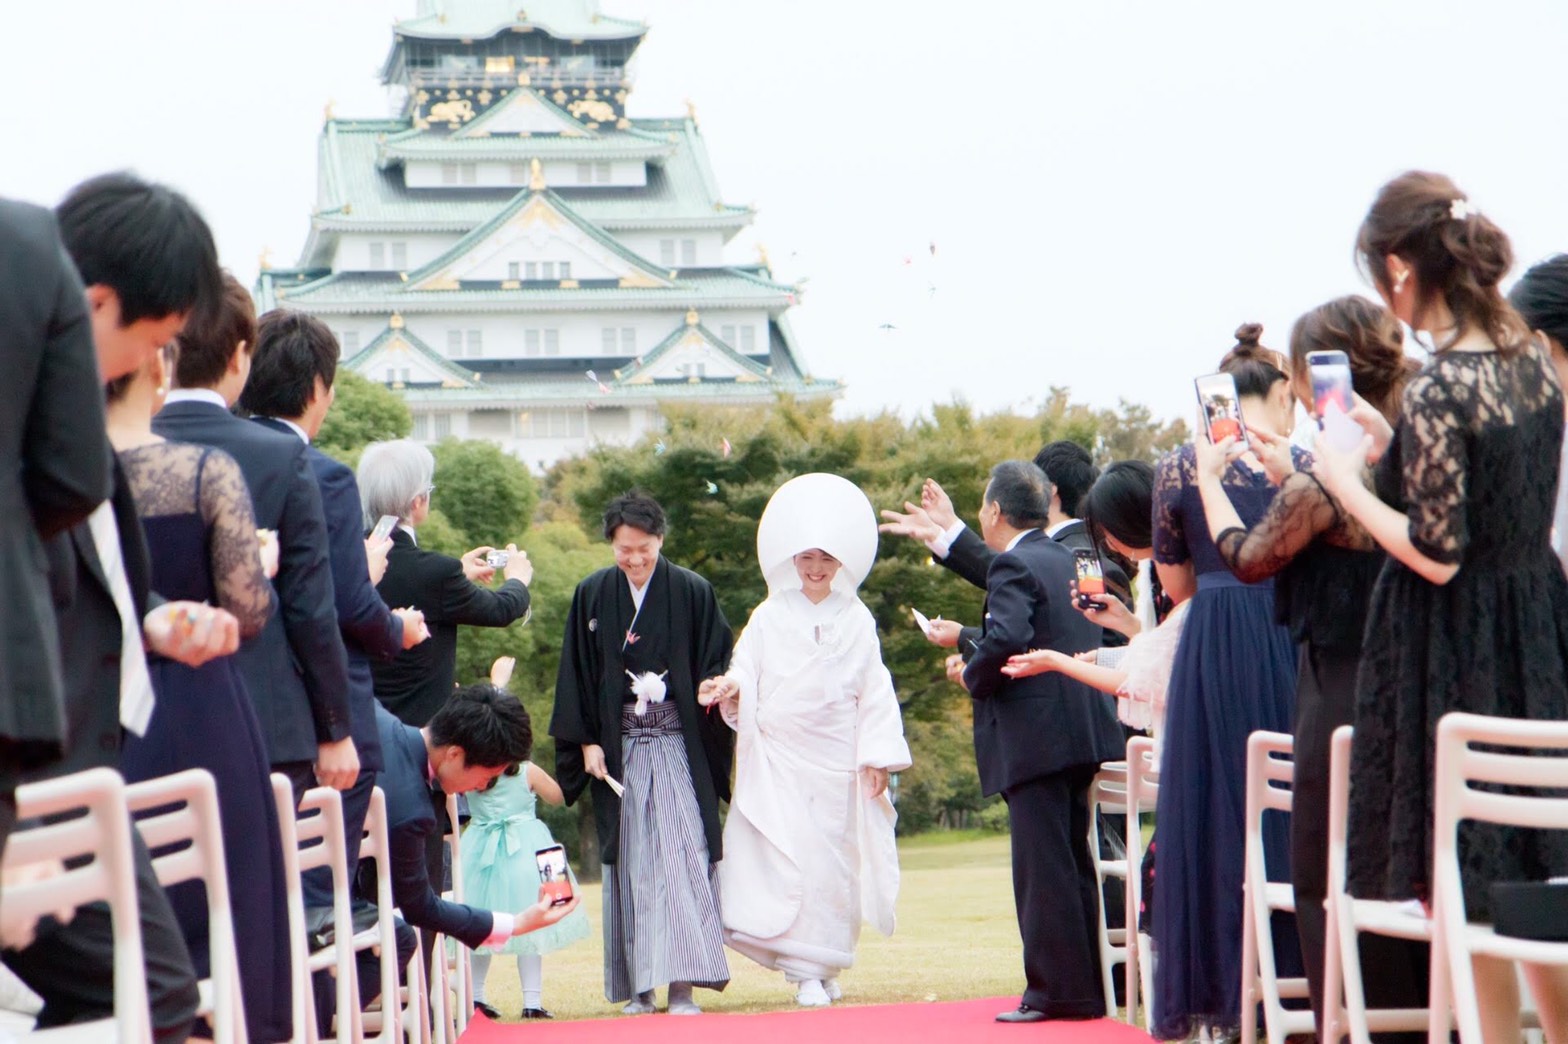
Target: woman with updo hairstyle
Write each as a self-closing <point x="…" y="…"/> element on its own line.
<point x="1234" y="673"/>
<point x="1541" y="296"/>
<point x="1325" y="566"/>
<point x="1471" y="611"/>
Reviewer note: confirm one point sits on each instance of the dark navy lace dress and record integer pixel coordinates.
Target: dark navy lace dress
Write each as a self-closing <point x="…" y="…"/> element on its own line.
<point x="201" y="531"/>
<point x="1474" y="465"/>
<point x="1234" y="672"/>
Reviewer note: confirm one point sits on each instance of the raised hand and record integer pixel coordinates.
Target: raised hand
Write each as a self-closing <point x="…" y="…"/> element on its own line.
<point x="938" y="504"/>
<point x="518" y="567"/>
<point x="944" y="633"/>
<point x="1273" y="452"/>
<point x="376" y="552"/>
<point x="913" y="522"/>
<point x="476" y="568"/>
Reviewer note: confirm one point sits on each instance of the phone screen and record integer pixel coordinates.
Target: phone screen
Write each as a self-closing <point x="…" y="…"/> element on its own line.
<point x="384" y="526"/>
<point x="1091" y="577"/>
<point x="1330" y="373"/>
<point x="554" y="883"/>
<point x="1221" y="407"/>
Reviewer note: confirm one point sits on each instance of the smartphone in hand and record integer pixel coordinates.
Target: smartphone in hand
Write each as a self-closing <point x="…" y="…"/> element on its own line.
<point x="1330" y="373"/>
<point x="384" y="526"/>
<point x="1220" y="406"/>
<point x="554" y="882"/>
<point x="1091" y="578"/>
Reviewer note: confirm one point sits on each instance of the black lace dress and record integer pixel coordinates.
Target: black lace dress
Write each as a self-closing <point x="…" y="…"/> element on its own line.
<point x="1474" y="465"/>
<point x="1324" y="566"/>
<point x="201" y="531"/>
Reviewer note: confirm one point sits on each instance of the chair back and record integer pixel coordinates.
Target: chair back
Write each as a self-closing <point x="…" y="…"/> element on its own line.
<point x="98" y="834"/>
<point x="177" y="817"/>
<point x="312" y="838"/>
<point x="1143" y="795"/>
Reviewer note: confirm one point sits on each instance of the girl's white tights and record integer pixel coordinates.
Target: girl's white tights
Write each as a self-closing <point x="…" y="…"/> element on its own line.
<point x="530" y="975"/>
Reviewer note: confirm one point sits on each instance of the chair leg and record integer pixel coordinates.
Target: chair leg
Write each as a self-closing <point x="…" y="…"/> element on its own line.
<point x="1249" y="969"/>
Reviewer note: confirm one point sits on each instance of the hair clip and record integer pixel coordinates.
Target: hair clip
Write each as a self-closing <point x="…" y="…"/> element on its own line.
<point x="1460" y="209"/>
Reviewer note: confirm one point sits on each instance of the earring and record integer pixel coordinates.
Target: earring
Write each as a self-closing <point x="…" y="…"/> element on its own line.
<point x="1399" y="280"/>
<point x="163" y="389"/>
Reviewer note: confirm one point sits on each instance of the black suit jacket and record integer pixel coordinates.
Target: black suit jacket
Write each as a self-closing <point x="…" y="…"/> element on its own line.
<point x="90" y="633"/>
<point x="971" y="559"/>
<point x="295" y="670"/>
<point x="419" y="680"/>
<point x="54" y="469"/>
<point x="1026" y="728"/>
<point x="411" y="821"/>
<point x="368" y="627"/>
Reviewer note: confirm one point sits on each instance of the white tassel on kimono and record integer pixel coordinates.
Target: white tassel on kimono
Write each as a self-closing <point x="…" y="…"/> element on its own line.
<point x="648" y="688"/>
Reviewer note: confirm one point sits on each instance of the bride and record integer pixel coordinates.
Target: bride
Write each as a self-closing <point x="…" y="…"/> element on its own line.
<point x="808" y="845"/>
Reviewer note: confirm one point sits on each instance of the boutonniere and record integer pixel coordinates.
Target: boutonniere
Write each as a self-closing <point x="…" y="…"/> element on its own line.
<point x="632" y="637"/>
<point x="648" y="688"/>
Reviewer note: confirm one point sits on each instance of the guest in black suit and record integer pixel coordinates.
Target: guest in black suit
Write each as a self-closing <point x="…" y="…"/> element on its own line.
<point x="56" y="462"/>
<point x="396" y="478"/>
<point x="147" y="260"/>
<point x="289" y="390"/>
<point x="1038" y="743"/>
<point x="295" y="671"/>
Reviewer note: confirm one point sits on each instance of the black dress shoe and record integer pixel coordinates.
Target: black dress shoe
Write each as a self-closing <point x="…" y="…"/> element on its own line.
<point x="488" y="1012"/>
<point x="536" y="1013"/>
<point x="1024" y="1014"/>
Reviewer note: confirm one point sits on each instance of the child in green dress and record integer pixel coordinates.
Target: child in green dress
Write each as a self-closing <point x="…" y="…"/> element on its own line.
<point x="501" y="873"/>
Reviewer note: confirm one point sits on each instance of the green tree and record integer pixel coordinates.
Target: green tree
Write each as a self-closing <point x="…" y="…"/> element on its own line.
<point x="363" y="412"/>
<point x="486" y="493"/>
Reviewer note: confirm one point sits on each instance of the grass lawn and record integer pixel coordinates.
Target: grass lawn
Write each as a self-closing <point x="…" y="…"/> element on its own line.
<point x="957" y="939"/>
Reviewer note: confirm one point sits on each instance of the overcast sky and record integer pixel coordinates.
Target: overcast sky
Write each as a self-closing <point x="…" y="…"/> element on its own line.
<point x="1111" y="187"/>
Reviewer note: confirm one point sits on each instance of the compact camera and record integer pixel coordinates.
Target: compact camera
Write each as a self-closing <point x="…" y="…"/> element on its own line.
<point x="496" y="559"/>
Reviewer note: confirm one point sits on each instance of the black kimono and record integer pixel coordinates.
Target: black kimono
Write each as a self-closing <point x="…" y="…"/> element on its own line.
<point x="680" y="630"/>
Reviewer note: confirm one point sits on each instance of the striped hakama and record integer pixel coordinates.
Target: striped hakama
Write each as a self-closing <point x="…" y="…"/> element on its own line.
<point x="661" y="899"/>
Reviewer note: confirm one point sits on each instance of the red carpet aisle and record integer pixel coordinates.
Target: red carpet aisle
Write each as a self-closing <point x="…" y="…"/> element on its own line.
<point x="963" y="1021"/>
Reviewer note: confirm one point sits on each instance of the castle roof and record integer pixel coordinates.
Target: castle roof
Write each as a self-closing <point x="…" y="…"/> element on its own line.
<point x="482" y="19"/>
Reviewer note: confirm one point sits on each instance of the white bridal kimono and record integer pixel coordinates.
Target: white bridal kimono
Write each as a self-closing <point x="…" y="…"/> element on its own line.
<point x="807" y="854"/>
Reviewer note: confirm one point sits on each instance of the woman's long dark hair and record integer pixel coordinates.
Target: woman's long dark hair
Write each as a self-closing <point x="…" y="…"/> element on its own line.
<point x="1121" y="504"/>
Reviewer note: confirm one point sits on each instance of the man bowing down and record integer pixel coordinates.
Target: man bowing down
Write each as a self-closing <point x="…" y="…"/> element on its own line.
<point x="639" y="637"/>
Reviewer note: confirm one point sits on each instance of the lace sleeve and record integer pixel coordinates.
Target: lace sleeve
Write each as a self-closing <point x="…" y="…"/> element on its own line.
<point x="1172" y="475"/>
<point x="243" y="589"/>
<point x="1297" y="515"/>
<point x="1436" y="455"/>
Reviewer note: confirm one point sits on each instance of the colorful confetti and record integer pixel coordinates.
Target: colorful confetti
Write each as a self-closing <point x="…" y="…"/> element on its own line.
<point x="725" y="449"/>
<point x="659" y="448"/>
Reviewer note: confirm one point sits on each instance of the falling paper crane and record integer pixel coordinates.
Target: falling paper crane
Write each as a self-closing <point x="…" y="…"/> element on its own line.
<point x="604" y="389"/>
<point x="725" y="448"/>
<point x="713" y="488"/>
<point x="659" y="448"/>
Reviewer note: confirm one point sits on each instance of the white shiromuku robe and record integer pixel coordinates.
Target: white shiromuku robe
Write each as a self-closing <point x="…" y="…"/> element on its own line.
<point x="807" y="855"/>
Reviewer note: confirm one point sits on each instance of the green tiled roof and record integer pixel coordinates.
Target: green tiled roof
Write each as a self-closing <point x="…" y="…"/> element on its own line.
<point x="512" y="148"/>
<point x="566" y="388"/>
<point x="501" y="217"/>
<point x="356" y="194"/>
<point x="646" y="362"/>
<point x="384" y="292"/>
<point x="480" y="19"/>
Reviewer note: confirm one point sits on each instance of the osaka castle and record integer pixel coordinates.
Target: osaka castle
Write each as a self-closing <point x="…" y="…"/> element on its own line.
<point x="520" y="259"/>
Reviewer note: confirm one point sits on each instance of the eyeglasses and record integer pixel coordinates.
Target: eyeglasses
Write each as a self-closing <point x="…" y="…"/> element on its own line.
<point x="427" y="491"/>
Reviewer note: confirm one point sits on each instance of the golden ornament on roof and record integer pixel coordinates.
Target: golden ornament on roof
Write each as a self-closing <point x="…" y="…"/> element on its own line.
<point x="691" y="318"/>
<point x="396" y="322"/>
<point x="536" y="176"/>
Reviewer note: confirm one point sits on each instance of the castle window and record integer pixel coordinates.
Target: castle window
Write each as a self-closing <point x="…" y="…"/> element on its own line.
<point x="442" y="425"/>
<point x="400" y="256"/>
<point x="547" y="269"/>
<point x="514" y="270"/>
<point x="421" y="427"/>
<point x="454" y="344"/>
<point x="475" y="343"/>
<point x="519" y="173"/>
<point x="727" y="335"/>
<point x="532" y="268"/>
<point x="607" y="340"/>
<point x="470" y="173"/>
<point x="584" y="173"/>
<point x="378" y="255"/>
<point x="748" y="339"/>
<point x="602" y="173"/>
<point x="688" y="252"/>
<point x="565" y="270"/>
<point x="349" y="341"/>
<point x="628" y="340"/>
<point x="666" y="252"/>
<point x="449" y="173"/>
<point x="552" y="342"/>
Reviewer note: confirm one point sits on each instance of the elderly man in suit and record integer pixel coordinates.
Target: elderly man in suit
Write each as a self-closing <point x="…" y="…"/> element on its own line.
<point x="148" y="262"/>
<point x="56" y="462"/>
<point x="295" y="670"/>
<point x="1038" y="743"/>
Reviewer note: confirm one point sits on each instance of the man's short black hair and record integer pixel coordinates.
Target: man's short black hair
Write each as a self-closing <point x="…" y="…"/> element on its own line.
<point x="292" y="350"/>
<point x="145" y="242"/>
<point x="1022" y="492"/>
<point x="1070" y="469"/>
<point x="489" y="725"/>
<point x="209" y="342"/>
<point x="636" y="509"/>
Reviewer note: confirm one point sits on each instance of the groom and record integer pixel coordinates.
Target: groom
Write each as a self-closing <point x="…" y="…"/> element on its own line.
<point x="1038" y="743"/>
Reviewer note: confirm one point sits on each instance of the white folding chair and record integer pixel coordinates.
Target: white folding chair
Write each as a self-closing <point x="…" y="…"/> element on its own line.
<point x="1270" y="770"/>
<point x="1143" y="794"/>
<point x="1108" y="794"/>
<point x="102" y="836"/>
<point x="400" y="1012"/>
<point x="312" y="839"/>
<point x="1344" y="996"/>
<point x="1537" y="758"/>
<point x="452" y="977"/>
<point x="179" y="822"/>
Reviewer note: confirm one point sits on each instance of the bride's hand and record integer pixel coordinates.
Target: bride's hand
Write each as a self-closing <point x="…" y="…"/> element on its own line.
<point x="1036" y="661"/>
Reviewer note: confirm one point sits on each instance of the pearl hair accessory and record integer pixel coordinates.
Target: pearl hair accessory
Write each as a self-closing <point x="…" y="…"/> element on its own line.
<point x="1460" y="209"/>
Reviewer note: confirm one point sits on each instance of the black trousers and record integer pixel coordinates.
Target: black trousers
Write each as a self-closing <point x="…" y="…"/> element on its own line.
<point x="367" y="964"/>
<point x="71" y="966"/>
<point x="1394" y="971"/>
<point x="301" y="774"/>
<point x="1056" y="895"/>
